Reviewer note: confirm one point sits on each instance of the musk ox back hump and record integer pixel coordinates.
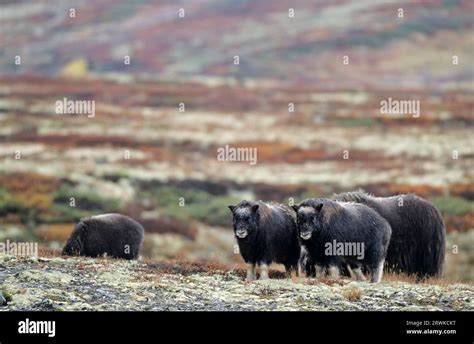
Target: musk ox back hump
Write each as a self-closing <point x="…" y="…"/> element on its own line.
<point x="115" y="235"/>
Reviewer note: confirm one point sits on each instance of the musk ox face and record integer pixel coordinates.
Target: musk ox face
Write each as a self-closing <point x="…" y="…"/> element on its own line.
<point x="73" y="246"/>
<point x="245" y="220"/>
<point x="308" y="220"/>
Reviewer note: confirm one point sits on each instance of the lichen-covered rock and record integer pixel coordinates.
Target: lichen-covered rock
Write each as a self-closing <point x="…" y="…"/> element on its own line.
<point x="55" y="277"/>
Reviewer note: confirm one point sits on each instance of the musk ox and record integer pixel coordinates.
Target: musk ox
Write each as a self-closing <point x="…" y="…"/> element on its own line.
<point x="417" y="245"/>
<point x="113" y="235"/>
<point x="266" y="233"/>
<point x="341" y="233"/>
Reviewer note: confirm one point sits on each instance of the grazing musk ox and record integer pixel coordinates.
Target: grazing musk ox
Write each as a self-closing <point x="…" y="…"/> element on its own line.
<point x="265" y="233"/>
<point x="338" y="233"/>
<point x="114" y="235"/>
<point x="417" y="246"/>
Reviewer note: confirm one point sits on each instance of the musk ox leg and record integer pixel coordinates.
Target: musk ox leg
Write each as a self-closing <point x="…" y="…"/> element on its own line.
<point x="310" y="270"/>
<point x="334" y="271"/>
<point x="299" y="269"/>
<point x="288" y="269"/>
<point x="263" y="271"/>
<point x="319" y="271"/>
<point x="350" y="271"/>
<point x="296" y="268"/>
<point x="251" y="272"/>
<point x="359" y="275"/>
<point x="377" y="272"/>
<point x="356" y="272"/>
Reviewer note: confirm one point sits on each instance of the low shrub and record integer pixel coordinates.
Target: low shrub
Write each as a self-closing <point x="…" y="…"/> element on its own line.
<point x="453" y="205"/>
<point x="197" y="205"/>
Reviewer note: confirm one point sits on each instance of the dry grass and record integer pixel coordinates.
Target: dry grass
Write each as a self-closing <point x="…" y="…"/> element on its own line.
<point x="184" y="267"/>
<point x="28" y="183"/>
<point x="46" y="252"/>
<point x="326" y="280"/>
<point x="352" y="294"/>
<point x="441" y="281"/>
<point x="144" y="277"/>
<point x="272" y="274"/>
<point x="394" y="277"/>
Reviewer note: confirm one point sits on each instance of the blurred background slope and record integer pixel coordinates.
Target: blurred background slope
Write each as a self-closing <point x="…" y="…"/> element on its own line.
<point x="190" y="60"/>
<point x="412" y="51"/>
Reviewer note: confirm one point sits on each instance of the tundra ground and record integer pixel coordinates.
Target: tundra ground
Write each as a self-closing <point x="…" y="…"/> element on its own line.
<point x="85" y="284"/>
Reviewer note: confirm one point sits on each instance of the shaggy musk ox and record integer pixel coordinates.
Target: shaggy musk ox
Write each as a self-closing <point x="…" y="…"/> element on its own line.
<point x="265" y="233"/>
<point x="417" y="245"/>
<point x="112" y="234"/>
<point x="340" y="233"/>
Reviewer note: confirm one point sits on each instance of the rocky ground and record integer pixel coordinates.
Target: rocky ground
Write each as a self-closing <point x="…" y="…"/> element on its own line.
<point x="58" y="284"/>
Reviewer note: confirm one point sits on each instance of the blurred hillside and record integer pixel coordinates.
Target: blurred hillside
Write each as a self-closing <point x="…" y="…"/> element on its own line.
<point x="140" y="155"/>
<point x="385" y="51"/>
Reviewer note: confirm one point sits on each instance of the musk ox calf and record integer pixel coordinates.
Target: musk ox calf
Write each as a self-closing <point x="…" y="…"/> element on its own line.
<point x="265" y="233"/>
<point x="341" y="233"/>
<point x="113" y="235"/>
<point x="417" y="246"/>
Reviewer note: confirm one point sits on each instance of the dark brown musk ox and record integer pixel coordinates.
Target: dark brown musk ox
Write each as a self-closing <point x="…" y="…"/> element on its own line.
<point x="266" y="233"/>
<point x="114" y="235"/>
<point x="335" y="234"/>
<point x="417" y="246"/>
